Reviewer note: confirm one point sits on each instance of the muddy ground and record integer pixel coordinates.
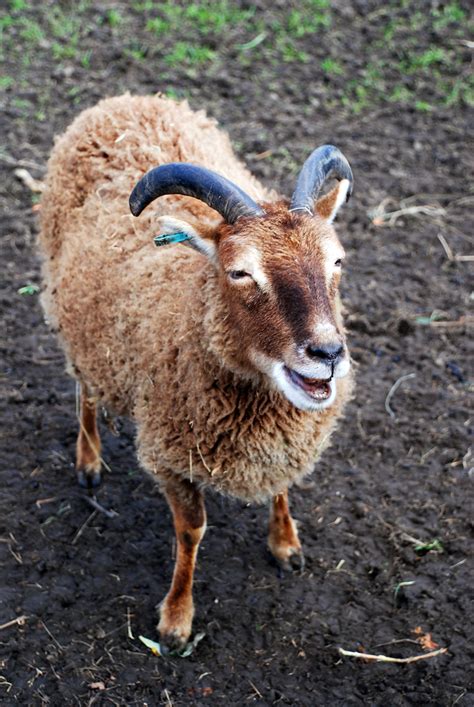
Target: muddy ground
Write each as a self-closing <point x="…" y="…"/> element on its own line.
<point x="387" y="520"/>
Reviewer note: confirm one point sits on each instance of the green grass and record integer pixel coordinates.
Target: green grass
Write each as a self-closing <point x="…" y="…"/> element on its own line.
<point x="189" y="54"/>
<point x="301" y="22"/>
<point x="400" y="94"/>
<point x="447" y="15"/>
<point x="423" y="106"/>
<point x="181" y="37"/>
<point x="113" y="18"/>
<point x="331" y="67"/>
<point x="425" y="60"/>
<point x="207" y="16"/>
<point x="31" y="32"/>
<point x="6" y="82"/>
<point x="18" y="5"/>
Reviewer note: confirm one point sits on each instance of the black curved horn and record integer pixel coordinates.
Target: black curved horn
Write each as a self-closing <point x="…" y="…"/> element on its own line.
<point x="325" y="162"/>
<point x="190" y="180"/>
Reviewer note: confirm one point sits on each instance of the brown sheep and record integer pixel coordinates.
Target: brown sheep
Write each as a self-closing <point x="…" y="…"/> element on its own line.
<point x="229" y="355"/>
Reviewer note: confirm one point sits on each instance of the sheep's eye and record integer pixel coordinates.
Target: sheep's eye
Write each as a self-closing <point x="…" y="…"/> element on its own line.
<point x="338" y="263"/>
<point x="238" y="274"/>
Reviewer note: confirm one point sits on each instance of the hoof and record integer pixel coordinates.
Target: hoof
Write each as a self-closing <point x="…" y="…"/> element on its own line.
<point x="172" y="643"/>
<point x="296" y="562"/>
<point x="89" y="479"/>
<point x="292" y="561"/>
<point x="175" y="625"/>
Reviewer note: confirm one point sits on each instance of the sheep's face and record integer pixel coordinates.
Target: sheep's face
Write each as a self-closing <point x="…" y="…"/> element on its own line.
<point x="280" y="277"/>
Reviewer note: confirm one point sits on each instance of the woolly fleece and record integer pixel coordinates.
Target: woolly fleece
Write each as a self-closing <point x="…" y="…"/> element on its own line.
<point x="144" y="328"/>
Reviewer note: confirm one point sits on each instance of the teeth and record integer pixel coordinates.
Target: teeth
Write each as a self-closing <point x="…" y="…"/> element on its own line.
<point x="317" y="388"/>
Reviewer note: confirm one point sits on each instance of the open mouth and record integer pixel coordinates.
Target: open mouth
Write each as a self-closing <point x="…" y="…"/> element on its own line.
<point x="318" y="389"/>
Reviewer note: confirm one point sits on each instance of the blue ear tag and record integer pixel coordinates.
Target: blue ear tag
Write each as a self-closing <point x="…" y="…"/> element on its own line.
<point x="170" y="238"/>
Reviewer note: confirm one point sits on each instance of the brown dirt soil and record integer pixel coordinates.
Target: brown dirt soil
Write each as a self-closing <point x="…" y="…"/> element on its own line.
<point x="388" y="483"/>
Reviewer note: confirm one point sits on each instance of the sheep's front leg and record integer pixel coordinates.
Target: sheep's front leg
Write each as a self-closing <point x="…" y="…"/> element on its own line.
<point x="88" y="461"/>
<point x="283" y="536"/>
<point x="189" y="515"/>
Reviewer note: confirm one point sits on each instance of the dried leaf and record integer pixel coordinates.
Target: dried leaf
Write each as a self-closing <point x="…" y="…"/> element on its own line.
<point x="427" y="642"/>
<point x="188" y="649"/>
<point x="152" y="645"/>
<point x="184" y="653"/>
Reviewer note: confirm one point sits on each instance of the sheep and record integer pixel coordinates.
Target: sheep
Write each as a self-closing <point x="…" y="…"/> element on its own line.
<point x="227" y="349"/>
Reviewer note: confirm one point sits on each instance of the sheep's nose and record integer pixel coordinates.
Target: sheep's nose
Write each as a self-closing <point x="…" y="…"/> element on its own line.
<point x="326" y="352"/>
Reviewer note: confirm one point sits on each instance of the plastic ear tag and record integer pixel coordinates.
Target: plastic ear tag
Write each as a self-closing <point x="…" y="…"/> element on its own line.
<point x="170" y="238"/>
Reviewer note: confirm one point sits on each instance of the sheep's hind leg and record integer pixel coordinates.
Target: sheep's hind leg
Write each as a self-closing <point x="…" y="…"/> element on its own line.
<point x="177" y="609"/>
<point x="283" y="540"/>
<point x="88" y="461"/>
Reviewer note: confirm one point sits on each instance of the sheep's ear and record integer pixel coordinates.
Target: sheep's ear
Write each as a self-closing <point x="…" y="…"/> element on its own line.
<point x="328" y="206"/>
<point x="173" y="230"/>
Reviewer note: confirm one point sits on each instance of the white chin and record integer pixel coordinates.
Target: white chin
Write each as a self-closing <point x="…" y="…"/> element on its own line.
<point x="296" y="395"/>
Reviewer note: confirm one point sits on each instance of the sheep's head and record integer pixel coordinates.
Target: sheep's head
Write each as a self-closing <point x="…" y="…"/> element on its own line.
<point x="279" y="270"/>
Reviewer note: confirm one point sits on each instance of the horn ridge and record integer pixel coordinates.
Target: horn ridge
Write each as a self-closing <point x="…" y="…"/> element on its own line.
<point x="199" y="182"/>
<point x="323" y="163"/>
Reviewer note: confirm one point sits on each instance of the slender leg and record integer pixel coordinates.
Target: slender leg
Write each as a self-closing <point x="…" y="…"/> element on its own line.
<point x="88" y="443"/>
<point x="283" y="536"/>
<point x="177" y="609"/>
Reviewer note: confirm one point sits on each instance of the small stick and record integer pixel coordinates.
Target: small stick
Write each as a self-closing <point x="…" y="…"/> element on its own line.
<point x="388" y="659"/>
<point x="61" y="648"/>
<point x="20" y="620"/>
<point x="29" y="164"/>
<point x="32" y="184"/>
<point x="256" y="690"/>
<point x="392" y="390"/>
<point x="83" y="527"/>
<point x="462" y="321"/>
<point x="41" y="501"/>
<point x="129" y="624"/>
<point x="446" y="246"/>
<point x="95" y="504"/>
<point x="449" y="252"/>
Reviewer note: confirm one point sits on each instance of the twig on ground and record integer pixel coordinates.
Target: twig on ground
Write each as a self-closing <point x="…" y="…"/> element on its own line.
<point x="20" y="620"/>
<point x="381" y="217"/>
<point x="61" y="648"/>
<point x="446" y="246"/>
<point x="28" y="164"/>
<point x="129" y="624"/>
<point x="388" y="659"/>
<point x="98" y="507"/>
<point x="34" y="185"/>
<point x="256" y="690"/>
<point x="453" y="323"/>
<point x="449" y="251"/>
<point x="83" y="527"/>
<point x="392" y="391"/>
